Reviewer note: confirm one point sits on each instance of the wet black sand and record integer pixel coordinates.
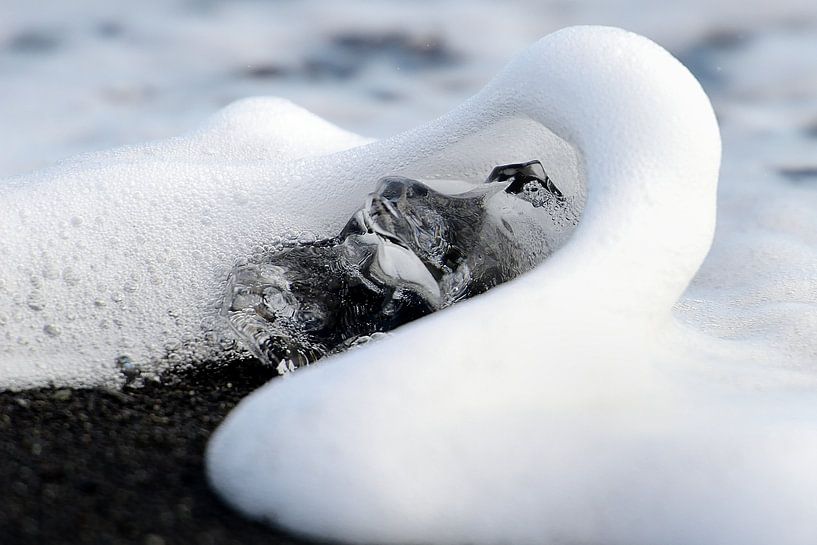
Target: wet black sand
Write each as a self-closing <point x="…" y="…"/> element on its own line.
<point x="105" y="467"/>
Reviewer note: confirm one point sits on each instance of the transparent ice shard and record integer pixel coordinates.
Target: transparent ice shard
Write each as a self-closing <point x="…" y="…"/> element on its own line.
<point x="409" y="251"/>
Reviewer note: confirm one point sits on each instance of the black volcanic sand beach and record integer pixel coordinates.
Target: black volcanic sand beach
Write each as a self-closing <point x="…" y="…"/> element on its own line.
<point x="111" y="467"/>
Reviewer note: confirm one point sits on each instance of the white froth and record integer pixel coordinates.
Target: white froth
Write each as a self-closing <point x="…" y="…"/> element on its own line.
<point x="124" y="253"/>
<point x="568" y="406"/>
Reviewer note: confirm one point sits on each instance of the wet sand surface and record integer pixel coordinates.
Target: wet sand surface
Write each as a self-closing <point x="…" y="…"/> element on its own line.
<point x="111" y="467"/>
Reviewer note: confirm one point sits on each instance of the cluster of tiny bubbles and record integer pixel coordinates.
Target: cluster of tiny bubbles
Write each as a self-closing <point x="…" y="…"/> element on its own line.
<point x="365" y="339"/>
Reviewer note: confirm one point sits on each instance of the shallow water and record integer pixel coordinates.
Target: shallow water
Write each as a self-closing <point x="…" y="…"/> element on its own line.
<point x="89" y="77"/>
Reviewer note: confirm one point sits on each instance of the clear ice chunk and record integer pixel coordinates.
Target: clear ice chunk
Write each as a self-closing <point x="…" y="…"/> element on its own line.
<point x="409" y="251"/>
<point x="529" y="181"/>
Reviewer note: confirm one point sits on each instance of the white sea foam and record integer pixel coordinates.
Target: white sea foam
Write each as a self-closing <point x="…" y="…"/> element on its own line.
<point x="123" y="254"/>
<point x="568" y="406"/>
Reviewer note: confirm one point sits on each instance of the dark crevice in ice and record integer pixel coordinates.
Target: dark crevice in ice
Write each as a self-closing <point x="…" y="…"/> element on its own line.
<point x="409" y="251"/>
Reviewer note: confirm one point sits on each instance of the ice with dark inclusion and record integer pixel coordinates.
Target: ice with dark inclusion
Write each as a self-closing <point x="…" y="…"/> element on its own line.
<point x="409" y="251"/>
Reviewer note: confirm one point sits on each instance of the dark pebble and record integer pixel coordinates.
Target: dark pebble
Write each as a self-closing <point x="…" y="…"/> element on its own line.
<point x="34" y="41"/>
<point x="800" y="175"/>
<point x="811" y="130"/>
<point x="346" y="55"/>
<point x="266" y="71"/>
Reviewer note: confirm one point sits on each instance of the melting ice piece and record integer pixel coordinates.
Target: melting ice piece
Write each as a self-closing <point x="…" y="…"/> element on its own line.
<point x="529" y="181"/>
<point x="408" y="252"/>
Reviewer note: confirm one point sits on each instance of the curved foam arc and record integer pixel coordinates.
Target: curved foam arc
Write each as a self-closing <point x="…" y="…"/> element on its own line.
<point x="555" y="408"/>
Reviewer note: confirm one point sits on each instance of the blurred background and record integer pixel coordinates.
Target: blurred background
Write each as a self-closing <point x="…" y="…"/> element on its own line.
<point x="87" y="75"/>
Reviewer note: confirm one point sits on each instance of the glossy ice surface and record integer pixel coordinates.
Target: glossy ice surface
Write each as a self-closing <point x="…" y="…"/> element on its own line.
<point x="408" y="252"/>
